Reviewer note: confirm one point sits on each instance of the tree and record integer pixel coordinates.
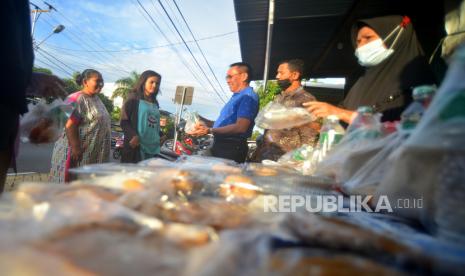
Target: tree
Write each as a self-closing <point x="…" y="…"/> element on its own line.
<point x="42" y="70"/>
<point x="70" y="84"/>
<point x="255" y="135"/>
<point x="106" y="102"/>
<point x="116" y="114"/>
<point x="125" y="85"/>
<point x="168" y="129"/>
<point x="272" y="89"/>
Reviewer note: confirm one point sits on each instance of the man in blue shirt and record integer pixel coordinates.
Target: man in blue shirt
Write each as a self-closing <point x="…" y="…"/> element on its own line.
<point x="236" y="120"/>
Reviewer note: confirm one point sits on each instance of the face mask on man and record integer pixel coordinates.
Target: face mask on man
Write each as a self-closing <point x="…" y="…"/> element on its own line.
<point x="373" y="53"/>
<point x="284" y="84"/>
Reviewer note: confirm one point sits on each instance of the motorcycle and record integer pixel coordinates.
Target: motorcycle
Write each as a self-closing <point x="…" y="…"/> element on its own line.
<point x="189" y="146"/>
<point x="118" y="148"/>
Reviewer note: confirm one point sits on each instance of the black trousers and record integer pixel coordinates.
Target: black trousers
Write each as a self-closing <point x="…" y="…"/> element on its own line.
<point x="230" y="148"/>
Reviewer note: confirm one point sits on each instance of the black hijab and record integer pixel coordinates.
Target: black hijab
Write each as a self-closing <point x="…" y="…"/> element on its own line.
<point x="387" y="86"/>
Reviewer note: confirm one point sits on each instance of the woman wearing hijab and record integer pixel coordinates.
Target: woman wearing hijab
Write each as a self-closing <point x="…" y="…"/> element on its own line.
<point x="388" y="49"/>
<point x="140" y="120"/>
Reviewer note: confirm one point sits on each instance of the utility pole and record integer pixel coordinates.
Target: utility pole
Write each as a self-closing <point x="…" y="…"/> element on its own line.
<point x="36" y="12"/>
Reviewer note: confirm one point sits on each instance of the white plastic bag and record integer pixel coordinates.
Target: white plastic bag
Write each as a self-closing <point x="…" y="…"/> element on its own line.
<point x="44" y="122"/>
<point x="277" y="116"/>
<point x="192" y="119"/>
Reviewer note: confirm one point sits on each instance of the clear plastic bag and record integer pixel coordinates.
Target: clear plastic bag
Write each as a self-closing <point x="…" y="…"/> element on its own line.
<point x="106" y="169"/>
<point x="44" y="122"/>
<point x="302" y="159"/>
<point x="277" y="116"/>
<point x="192" y="119"/>
<point x="419" y="166"/>
<point x="362" y="134"/>
<point x="33" y="216"/>
<point x="241" y="252"/>
<point x="364" y="169"/>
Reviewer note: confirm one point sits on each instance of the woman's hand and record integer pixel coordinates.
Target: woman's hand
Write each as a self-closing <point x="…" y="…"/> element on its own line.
<point x="323" y="110"/>
<point x="76" y="154"/>
<point x="134" y="142"/>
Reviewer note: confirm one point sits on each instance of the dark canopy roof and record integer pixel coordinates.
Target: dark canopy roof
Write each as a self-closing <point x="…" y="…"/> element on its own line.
<point x="318" y="31"/>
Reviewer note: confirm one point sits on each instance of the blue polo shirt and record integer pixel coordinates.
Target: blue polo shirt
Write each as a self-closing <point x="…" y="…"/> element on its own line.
<point x="243" y="104"/>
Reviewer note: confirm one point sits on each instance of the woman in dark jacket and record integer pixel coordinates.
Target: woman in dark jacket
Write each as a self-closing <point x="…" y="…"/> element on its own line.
<point x="388" y="49"/>
<point x="140" y="120"/>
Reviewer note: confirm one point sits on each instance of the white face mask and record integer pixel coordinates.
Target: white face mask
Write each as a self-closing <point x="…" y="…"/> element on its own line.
<point x="372" y="53"/>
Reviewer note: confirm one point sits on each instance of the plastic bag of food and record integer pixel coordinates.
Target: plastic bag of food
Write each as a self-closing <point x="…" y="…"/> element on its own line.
<point x="365" y="168"/>
<point x="192" y="119"/>
<point x="280" y="180"/>
<point x="420" y="168"/>
<point x="32" y="217"/>
<point x="277" y="116"/>
<point x="106" y="169"/>
<point x="239" y="252"/>
<point x="44" y="122"/>
<point x="302" y="159"/>
<point x="157" y="163"/>
<point x="27" y="260"/>
<point x="361" y="134"/>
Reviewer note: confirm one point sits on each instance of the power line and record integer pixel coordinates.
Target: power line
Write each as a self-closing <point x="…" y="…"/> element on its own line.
<point x="176" y="17"/>
<point x="187" y="46"/>
<point x="159" y="29"/>
<point x="72" y="59"/>
<point x="47" y="65"/>
<point x="186" y="63"/>
<point x="51" y="61"/>
<point x="51" y="56"/>
<point x="141" y="49"/>
<point x="203" y="55"/>
<point x="79" y="41"/>
<point x="81" y="30"/>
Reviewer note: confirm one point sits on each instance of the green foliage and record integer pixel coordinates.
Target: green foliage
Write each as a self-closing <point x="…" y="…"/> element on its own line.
<point x="168" y="129"/>
<point x="116" y="114"/>
<point x="106" y="102"/>
<point x="71" y="86"/>
<point x="255" y="134"/>
<point x="42" y="70"/>
<point x="125" y="85"/>
<point x="272" y="89"/>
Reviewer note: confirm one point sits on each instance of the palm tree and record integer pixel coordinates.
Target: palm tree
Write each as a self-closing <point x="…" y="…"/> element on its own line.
<point x="125" y="85"/>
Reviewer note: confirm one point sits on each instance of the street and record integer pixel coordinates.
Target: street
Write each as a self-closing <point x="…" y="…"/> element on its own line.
<point x="36" y="158"/>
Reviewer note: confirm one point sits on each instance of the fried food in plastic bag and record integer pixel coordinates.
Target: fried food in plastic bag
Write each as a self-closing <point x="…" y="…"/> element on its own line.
<point x="278" y="116"/>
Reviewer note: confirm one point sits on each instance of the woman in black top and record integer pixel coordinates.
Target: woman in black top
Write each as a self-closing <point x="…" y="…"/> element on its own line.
<point x="388" y="49"/>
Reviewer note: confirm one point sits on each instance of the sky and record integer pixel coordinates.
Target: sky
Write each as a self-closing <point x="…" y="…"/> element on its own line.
<point x="117" y="37"/>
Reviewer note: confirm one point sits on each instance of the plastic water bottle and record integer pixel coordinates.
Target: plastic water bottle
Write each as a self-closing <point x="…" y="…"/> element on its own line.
<point x="330" y="134"/>
<point x="422" y="96"/>
<point x="366" y="124"/>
